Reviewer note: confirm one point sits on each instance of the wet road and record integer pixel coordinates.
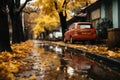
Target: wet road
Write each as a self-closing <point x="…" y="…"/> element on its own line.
<point x="51" y="62"/>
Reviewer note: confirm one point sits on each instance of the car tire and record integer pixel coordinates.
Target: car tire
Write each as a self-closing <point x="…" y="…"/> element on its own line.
<point x="71" y="40"/>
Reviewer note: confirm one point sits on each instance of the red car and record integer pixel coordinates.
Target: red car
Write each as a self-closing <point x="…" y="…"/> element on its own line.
<point x="80" y="31"/>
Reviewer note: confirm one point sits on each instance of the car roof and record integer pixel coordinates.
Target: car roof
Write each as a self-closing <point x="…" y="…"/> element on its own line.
<point x="82" y="23"/>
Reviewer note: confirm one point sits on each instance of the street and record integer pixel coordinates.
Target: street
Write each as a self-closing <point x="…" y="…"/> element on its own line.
<point x="52" y="62"/>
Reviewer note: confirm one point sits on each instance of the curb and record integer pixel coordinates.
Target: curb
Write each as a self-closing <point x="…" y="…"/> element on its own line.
<point x="110" y="62"/>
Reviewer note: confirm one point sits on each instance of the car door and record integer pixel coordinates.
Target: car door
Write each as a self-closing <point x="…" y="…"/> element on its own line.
<point x="67" y="33"/>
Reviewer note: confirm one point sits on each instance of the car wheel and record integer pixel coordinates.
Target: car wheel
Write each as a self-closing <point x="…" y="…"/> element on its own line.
<point x="71" y="40"/>
<point x="65" y="41"/>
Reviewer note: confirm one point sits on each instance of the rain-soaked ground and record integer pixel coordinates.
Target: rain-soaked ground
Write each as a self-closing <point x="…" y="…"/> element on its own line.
<point x="51" y="62"/>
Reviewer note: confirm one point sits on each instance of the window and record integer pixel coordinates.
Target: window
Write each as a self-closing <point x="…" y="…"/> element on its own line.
<point x="84" y="26"/>
<point x="72" y="26"/>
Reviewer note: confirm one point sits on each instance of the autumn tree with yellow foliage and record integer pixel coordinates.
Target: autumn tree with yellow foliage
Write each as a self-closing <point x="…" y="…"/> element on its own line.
<point x="54" y="11"/>
<point x="45" y="22"/>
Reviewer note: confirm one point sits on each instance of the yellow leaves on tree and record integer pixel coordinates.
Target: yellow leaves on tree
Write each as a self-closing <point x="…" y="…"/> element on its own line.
<point x="49" y="10"/>
<point x="52" y="6"/>
<point x="46" y="6"/>
<point x="45" y="22"/>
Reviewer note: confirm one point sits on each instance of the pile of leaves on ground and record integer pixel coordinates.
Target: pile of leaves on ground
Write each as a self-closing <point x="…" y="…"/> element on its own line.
<point x="98" y="49"/>
<point x="10" y="63"/>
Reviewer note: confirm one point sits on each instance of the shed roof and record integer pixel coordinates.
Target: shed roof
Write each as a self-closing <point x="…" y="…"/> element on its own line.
<point x="93" y="5"/>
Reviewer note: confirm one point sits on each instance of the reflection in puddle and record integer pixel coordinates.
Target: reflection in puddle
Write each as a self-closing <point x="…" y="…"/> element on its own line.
<point x="49" y="62"/>
<point x="58" y="49"/>
<point x="70" y="71"/>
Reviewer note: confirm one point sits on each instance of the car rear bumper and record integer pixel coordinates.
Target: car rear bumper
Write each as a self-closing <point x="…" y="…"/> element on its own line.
<point x="84" y="37"/>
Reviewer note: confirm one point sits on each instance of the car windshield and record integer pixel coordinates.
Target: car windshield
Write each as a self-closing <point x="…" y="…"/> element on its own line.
<point x="84" y="26"/>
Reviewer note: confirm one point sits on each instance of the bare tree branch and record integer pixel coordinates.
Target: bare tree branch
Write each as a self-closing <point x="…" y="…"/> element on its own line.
<point x="65" y="3"/>
<point x="29" y="12"/>
<point x="56" y="6"/>
<point x="22" y="7"/>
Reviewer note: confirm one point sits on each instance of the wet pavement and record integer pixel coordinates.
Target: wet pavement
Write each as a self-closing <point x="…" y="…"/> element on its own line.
<point x="51" y="62"/>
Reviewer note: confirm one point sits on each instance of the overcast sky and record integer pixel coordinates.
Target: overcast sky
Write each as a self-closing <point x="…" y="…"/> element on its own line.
<point x="22" y="1"/>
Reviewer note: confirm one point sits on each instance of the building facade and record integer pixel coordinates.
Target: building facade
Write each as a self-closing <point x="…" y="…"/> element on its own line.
<point x="105" y="15"/>
<point x="103" y="11"/>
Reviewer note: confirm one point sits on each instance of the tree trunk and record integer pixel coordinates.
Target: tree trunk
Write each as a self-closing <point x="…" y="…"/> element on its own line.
<point x="17" y="28"/>
<point x="16" y="19"/>
<point x="63" y="23"/>
<point x="4" y="30"/>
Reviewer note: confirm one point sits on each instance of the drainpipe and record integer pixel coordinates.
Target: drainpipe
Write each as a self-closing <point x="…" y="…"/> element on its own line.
<point x="115" y="14"/>
<point x="103" y="11"/>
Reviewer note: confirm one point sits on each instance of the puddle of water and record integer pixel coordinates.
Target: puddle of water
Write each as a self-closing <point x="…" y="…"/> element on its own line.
<point x="49" y="62"/>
